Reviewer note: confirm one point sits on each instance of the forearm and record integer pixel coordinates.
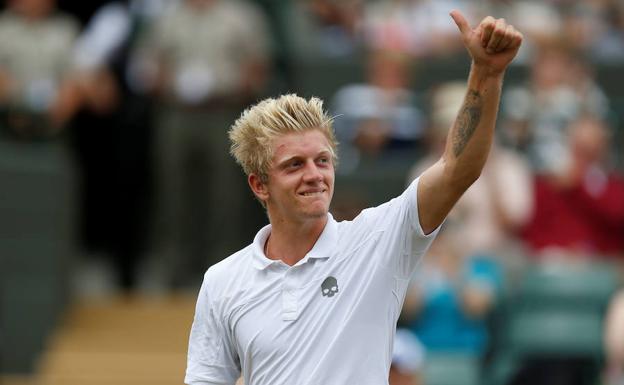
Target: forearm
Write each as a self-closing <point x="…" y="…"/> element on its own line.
<point x="492" y="45"/>
<point x="470" y="139"/>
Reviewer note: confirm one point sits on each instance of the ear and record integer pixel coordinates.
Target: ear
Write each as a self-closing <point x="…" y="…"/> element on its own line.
<point x="258" y="187"/>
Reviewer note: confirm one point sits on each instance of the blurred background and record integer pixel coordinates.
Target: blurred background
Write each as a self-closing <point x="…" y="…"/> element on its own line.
<point x="117" y="191"/>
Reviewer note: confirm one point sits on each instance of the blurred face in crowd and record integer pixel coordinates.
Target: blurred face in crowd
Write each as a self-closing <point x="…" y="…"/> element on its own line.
<point x="589" y="140"/>
<point x="33" y="9"/>
<point x="389" y="70"/>
<point x="550" y="69"/>
<point x="201" y="4"/>
<point x="300" y="181"/>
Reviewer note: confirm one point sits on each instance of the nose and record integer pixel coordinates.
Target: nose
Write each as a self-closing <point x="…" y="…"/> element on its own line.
<point x="312" y="173"/>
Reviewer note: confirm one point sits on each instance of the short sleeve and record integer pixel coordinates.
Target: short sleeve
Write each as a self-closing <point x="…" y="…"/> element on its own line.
<point x="402" y="239"/>
<point x="212" y="358"/>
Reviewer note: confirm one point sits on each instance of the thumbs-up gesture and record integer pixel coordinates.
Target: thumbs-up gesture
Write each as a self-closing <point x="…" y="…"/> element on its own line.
<point x="492" y="44"/>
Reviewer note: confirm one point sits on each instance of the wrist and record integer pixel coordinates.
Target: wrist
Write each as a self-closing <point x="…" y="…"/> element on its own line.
<point x="483" y="75"/>
<point x="485" y="71"/>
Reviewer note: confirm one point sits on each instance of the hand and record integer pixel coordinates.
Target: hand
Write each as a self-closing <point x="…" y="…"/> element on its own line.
<point x="492" y="44"/>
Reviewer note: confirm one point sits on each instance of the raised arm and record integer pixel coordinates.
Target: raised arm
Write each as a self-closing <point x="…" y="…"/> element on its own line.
<point x="492" y="45"/>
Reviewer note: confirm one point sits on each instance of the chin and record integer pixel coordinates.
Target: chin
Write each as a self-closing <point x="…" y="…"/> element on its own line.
<point x="319" y="212"/>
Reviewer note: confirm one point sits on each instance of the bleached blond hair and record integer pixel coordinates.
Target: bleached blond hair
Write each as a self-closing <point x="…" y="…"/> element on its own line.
<point x="253" y="133"/>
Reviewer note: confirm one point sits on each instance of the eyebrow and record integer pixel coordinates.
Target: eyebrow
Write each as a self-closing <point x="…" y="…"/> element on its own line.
<point x="283" y="162"/>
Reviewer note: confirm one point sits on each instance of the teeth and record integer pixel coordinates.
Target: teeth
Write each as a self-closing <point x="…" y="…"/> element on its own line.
<point x="312" y="193"/>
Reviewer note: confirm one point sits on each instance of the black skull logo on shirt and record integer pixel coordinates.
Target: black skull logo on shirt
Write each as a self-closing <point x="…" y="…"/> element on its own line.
<point x="329" y="287"/>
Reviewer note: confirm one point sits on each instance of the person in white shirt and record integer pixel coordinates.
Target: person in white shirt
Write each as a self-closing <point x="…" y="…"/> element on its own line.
<point x="313" y="301"/>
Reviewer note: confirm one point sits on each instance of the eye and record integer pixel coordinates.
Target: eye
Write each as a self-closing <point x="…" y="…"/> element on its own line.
<point x="323" y="160"/>
<point x="295" y="163"/>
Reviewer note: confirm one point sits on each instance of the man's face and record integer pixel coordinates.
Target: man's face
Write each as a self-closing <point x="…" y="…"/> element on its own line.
<point x="35" y="9"/>
<point x="301" y="178"/>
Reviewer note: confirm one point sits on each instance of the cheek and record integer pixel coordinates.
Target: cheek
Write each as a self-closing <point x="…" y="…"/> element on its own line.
<point x="330" y="182"/>
<point x="329" y="176"/>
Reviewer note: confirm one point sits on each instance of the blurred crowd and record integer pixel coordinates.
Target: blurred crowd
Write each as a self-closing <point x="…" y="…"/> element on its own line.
<point x="138" y="95"/>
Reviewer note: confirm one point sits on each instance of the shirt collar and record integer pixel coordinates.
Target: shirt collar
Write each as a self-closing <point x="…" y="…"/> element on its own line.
<point x="323" y="247"/>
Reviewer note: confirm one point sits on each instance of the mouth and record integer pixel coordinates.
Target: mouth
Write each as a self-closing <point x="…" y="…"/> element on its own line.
<point x="312" y="193"/>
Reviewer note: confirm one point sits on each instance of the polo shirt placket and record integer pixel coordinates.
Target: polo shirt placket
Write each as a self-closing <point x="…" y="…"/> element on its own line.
<point x="290" y="297"/>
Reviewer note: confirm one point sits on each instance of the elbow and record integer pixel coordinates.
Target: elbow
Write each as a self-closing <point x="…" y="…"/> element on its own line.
<point x="471" y="177"/>
<point x="462" y="177"/>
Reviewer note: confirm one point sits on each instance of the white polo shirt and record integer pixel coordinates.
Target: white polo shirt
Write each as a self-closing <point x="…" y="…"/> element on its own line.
<point x="328" y="320"/>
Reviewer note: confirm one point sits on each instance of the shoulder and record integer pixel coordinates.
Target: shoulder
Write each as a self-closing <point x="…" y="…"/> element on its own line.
<point x="229" y="275"/>
<point x="393" y="212"/>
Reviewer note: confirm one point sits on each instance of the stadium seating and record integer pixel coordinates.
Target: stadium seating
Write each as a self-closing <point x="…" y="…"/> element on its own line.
<point x="451" y="369"/>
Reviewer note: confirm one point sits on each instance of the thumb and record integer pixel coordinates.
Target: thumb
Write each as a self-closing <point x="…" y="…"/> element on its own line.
<point x="461" y="22"/>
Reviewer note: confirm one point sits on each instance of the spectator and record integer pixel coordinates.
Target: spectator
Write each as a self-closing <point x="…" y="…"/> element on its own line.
<point x="35" y="62"/>
<point x="204" y="60"/>
<point x="595" y="28"/>
<point x="408" y="356"/>
<point x="579" y="209"/>
<point x="450" y="297"/>
<point x="323" y="28"/>
<point x="381" y="115"/>
<point x="111" y="140"/>
<point x="560" y="89"/>
<point x="415" y="27"/>
<point x="540" y="21"/>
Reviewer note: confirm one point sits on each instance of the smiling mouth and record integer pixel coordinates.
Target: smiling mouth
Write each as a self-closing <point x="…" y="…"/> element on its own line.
<point x="312" y="193"/>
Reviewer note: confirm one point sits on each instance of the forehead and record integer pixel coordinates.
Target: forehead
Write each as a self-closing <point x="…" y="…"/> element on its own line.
<point x="306" y="143"/>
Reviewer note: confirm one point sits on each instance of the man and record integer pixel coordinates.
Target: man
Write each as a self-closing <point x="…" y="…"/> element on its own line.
<point x="202" y="60"/>
<point x="36" y="95"/>
<point x="311" y="300"/>
<point x="579" y="207"/>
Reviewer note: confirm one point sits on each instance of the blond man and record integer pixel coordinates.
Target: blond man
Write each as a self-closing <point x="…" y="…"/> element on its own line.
<point x="312" y="300"/>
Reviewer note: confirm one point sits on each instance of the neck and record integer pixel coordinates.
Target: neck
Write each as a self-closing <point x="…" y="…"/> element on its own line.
<point x="291" y="243"/>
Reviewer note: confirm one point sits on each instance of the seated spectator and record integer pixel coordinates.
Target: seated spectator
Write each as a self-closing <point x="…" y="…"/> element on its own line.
<point x="408" y="356"/>
<point x="323" y="28"/>
<point x="540" y="22"/>
<point x="450" y="297"/>
<point x="380" y="115"/>
<point x="418" y="28"/>
<point x="535" y="116"/>
<point x="579" y="208"/>
<point x="596" y="29"/>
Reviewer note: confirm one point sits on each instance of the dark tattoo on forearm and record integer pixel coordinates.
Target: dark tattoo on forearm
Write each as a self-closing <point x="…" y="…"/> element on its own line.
<point x="467" y="121"/>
